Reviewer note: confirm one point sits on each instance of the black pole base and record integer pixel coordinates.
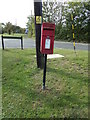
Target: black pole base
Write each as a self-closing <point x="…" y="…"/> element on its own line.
<point x="44" y="72"/>
<point x="43" y="87"/>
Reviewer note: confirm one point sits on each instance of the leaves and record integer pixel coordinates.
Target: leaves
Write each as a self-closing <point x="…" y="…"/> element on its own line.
<point x="80" y="12"/>
<point x="51" y="11"/>
<point x="31" y="26"/>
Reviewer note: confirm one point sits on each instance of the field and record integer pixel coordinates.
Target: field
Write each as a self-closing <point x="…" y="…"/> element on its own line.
<point x="66" y="93"/>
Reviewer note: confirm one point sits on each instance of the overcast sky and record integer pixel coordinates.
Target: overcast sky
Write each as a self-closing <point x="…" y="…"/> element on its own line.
<point x="16" y="11"/>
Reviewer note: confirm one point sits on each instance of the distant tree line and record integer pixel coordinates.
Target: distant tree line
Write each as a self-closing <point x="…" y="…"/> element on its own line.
<point x="60" y="13"/>
<point x="10" y="28"/>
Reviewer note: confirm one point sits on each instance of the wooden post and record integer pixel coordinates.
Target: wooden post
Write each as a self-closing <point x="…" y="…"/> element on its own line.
<point x="38" y="23"/>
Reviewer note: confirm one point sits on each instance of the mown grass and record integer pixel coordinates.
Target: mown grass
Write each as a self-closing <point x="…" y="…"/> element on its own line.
<point x="66" y="93"/>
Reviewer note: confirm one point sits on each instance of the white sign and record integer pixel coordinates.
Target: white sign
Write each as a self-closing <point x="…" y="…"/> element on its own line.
<point x="47" y="44"/>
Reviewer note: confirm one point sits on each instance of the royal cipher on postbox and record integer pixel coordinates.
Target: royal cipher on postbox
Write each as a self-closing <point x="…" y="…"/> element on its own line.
<point x="47" y="38"/>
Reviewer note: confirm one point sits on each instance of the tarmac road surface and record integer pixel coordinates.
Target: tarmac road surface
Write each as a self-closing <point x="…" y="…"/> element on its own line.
<point x="30" y="43"/>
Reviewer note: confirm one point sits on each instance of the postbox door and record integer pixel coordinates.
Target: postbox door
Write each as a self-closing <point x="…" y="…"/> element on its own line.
<point x="47" y="45"/>
<point x="47" y="39"/>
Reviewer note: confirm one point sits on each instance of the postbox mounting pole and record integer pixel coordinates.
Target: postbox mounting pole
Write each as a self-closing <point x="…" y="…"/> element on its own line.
<point x="44" y="72"/>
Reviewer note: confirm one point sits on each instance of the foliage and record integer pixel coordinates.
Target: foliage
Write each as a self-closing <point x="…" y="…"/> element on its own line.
<point x="9" y="28"/>
<point x="80" y="12"/>
<point x="60" y="13"/>
<point x="66" y="94"/>
<point x="51" y="12"/>
<point x="2" y="25"/>
<point x="31" y="26"/>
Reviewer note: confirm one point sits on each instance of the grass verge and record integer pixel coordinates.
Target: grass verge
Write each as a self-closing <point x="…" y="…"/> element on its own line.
<point x="66" y="93"/>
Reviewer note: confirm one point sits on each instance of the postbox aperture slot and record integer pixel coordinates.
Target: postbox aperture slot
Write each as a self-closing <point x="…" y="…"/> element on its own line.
<point x="47" y="28"/>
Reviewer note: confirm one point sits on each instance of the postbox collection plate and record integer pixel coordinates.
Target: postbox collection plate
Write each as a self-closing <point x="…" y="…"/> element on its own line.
<point x="47" y="43"/>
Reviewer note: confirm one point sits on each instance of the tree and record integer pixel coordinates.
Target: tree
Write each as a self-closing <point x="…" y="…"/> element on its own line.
<point x="2" y="25"/>
<point x="51" y="11"/>
<point x="8" y="28"/>
<point x="80" y="12"/>
<point x="31" y="26"/>
<point x="80" y="16"/>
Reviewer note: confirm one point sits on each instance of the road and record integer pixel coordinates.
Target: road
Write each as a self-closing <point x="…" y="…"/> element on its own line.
<point x="29" y="43"/>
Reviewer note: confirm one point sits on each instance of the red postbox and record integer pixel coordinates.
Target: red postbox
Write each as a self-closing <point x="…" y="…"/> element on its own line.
<point x="47" y="38"/>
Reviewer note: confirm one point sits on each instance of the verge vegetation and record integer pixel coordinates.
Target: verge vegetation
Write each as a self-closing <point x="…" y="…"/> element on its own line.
<point x="66" y="93"/>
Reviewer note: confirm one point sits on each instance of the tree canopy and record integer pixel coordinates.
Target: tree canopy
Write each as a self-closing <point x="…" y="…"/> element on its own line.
<point x="60" y="13"/>
<point x="10" y="28"/>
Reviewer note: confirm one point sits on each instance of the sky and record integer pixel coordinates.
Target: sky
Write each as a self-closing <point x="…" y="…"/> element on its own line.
<point x="16" y="11"/>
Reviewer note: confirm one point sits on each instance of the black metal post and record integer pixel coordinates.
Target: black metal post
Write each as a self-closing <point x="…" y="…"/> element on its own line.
<point x="2" y="43"/>
<point x="21" y="43"/>
<point x="44" y="72"/>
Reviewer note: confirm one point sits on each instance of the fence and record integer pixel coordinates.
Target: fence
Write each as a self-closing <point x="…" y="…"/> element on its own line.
<point x="11" y="37"/>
